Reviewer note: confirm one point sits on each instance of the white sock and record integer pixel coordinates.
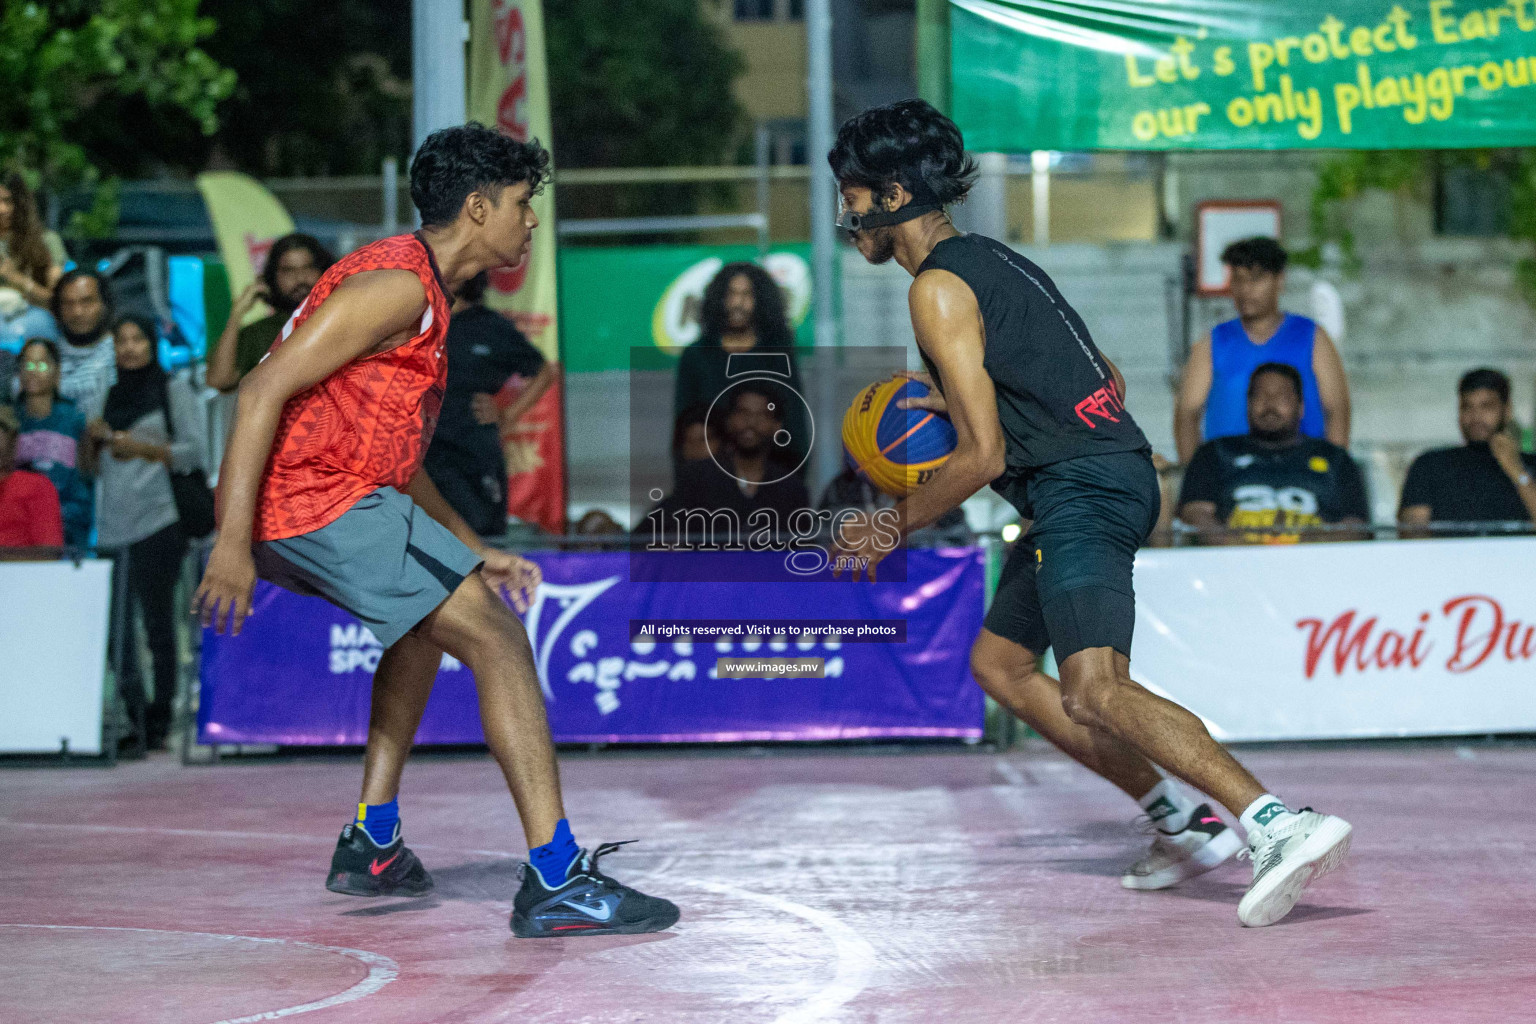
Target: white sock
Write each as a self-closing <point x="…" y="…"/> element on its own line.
<point x="1169" y="806"/>
<point x="1263" y="812"/>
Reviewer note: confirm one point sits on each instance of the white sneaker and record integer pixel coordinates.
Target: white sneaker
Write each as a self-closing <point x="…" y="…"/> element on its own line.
<point x="1288" y="854"/>
<point x="1204" y="844"/>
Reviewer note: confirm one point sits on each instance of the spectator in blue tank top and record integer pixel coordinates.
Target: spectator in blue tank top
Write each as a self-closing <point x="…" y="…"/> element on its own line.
<point x="1213" y="394"/>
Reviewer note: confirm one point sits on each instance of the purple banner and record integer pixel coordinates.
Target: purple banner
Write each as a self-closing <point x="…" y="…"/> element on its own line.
<point x="301" y="670"/>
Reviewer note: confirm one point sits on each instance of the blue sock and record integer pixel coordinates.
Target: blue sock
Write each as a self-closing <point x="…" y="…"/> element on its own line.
<point x="553" y="860"/>
<point x="379" y="820"/>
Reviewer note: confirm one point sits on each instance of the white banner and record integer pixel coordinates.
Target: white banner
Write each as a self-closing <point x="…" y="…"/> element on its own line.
<point x="1320" y="641"/>
<point x="53" y="655"/>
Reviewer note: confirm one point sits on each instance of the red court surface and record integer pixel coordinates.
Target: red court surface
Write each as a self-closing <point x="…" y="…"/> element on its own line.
<point x="820" y="885"/>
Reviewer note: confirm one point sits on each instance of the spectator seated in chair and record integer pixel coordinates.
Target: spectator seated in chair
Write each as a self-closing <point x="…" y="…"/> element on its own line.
<point x="747" y="476"/>
<point x="1272" y="479"/>
<point x="1485" y="480"/>
<point x="694" y="436"/>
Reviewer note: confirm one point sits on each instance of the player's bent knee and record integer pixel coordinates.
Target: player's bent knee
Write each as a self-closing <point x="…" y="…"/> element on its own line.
<point x="474" y="624"/>
<point x="1088" y="702"/>
<point x="996" y="663"/>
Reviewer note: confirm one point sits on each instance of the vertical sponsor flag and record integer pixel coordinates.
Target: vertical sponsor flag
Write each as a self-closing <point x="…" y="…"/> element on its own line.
<point x="508" y="88"/>
<point x="247" y="219"/>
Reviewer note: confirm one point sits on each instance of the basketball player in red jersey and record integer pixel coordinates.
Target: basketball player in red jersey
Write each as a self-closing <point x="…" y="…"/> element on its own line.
<point x="322" y="493"/>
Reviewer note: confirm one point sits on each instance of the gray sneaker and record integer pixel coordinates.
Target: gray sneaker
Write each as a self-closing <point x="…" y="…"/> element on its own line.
<point x="1205" y="843"/>
<point x="1289" y="854"/>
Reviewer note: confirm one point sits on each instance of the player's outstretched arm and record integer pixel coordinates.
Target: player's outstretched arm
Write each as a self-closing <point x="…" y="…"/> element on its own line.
<point x="364" y="313"/>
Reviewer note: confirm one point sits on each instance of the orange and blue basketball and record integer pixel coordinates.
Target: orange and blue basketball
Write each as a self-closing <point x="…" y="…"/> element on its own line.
<point x="893" y="448"/>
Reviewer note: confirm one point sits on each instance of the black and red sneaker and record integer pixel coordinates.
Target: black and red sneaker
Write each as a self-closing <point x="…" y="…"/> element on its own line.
<point x="587" y="903"/>
<point x="361" y="867"/>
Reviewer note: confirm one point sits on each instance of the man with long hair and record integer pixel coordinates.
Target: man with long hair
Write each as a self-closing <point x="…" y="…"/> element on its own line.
<point x="1039" y="414"/>
<point x="294" y="263"/>
<point x="742" y="311"/>
<point x="322" y="492"/>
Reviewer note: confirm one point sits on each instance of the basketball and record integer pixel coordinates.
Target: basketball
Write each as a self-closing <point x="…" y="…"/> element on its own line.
<point x="893" y="448"/>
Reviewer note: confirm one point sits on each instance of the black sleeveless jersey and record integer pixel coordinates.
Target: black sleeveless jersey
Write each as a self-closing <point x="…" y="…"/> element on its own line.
<point x="1056" y="397"/>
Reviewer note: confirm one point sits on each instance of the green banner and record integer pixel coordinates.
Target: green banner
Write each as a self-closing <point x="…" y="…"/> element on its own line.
<point x="1243" y="74"/>
<point x="623" y="297"/>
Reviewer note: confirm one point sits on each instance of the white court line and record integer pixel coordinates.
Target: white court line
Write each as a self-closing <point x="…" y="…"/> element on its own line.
<point x="855" y="956"/>
<point x="381" y="969"/>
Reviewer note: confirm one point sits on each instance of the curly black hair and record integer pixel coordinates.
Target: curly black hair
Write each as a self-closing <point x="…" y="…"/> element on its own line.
<point x="769" y="320"/>
<point x="1258" y="253"/>
<point x="454" y="162"/>
<point x="908" y="142"/>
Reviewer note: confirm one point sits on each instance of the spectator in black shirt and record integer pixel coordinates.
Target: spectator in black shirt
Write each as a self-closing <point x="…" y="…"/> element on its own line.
<point x="1272" y="477"/>
<point x="466" y="460"/>
<point x="742" y="311"/>
<point x="744" y="478"/>
<point x="1486" y="480"/>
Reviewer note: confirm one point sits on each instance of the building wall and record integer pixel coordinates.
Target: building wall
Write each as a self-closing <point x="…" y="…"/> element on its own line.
<point x="773" y="85"/>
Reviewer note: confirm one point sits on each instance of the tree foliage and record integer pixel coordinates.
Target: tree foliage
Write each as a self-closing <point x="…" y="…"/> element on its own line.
<point x="640" y="83"/>
<point x="322" y="88"/>
<point x="1347" y="176"/>
<point x="325" y="87"/>
<point x="63" y="61"/>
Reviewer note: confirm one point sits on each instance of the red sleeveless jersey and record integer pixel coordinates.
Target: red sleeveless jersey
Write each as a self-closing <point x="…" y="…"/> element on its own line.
<point x="368" y="424"/>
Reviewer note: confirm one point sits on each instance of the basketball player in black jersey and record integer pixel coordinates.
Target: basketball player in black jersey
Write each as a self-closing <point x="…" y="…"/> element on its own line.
<point x="1040" y="414"/>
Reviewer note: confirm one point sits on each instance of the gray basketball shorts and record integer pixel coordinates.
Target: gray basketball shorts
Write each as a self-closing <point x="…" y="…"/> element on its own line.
<point x="384" y="560"/>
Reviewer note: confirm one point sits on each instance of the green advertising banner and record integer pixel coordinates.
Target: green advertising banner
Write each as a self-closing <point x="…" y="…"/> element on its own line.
<point x="1243" y="74"/>
<point x="623" y="297"/>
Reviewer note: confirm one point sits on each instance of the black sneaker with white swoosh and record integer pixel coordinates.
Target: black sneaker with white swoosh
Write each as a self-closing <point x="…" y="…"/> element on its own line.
<point x="588" y="903"/>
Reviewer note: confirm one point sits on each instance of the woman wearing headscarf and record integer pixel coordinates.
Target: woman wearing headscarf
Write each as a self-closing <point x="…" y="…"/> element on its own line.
<point x="151" y="426"/>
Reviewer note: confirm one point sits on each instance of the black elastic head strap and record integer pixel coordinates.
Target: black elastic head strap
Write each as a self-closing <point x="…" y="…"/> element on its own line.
<point x="923" y="201"/>
<point x="854" y="222"/>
